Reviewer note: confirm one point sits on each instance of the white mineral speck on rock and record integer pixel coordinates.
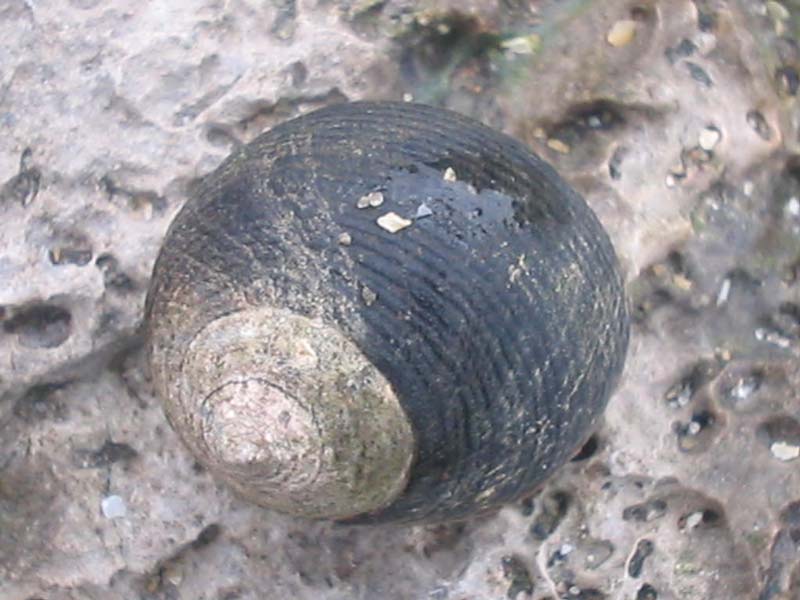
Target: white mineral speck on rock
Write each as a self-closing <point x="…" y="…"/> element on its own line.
<point x="558" y="146"/>
<point x="621" y="33"/>
<point x="724" y="292"/>
<point x="793" y="206"/>
<point x="113" y="507"/>
<point x="784" y="451"/>
<point x="709" y="138"/>
<point x="392" y="222"/>
<point x="449" y="175"/>
<point x="694" y="519"/>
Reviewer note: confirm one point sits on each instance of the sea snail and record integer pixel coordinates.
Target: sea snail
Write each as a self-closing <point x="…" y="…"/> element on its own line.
<point x="385" y="312"/>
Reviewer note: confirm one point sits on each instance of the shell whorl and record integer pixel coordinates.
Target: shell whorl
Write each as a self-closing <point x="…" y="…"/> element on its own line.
<point x="470" y="352"/>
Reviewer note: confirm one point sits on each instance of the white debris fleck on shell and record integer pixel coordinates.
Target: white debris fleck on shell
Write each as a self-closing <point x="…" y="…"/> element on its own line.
<point x="621" y="33"/>
<point x="449" y="175"/>
<point x="392" y="222"/>
<point x="373" y="199"/>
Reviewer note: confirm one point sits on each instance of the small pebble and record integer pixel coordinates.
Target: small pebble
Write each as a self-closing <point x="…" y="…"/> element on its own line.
<point x="392" y="222"/>
<point x="621" y="33"/>
<point x="345" y="239"/>
<point x="558" y="146"/>
<point x="450" y="175"/>
<point x="113" y="507"/>
<point x="373" y="199"/>
<point x="709" y="138"/>
<point x="784" y="451"/>
<point x="408" y="97"/>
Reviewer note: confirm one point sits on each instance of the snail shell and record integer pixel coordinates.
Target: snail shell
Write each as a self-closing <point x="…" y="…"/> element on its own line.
<point x="385" y="312"/>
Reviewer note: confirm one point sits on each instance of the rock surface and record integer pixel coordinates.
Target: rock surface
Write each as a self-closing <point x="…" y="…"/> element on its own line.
<point x="684" y="139"/>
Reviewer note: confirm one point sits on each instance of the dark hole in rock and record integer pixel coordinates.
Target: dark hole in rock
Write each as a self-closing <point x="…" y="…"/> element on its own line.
<point x="683" y="391"/>
<point x="588" y="450"/>
<point x="787" y="80"/>
<point x="527" y="506"/>
<point x="220" y="135"/>
<point x="759" y="124"/>
<point x="113" y="276"/>
<point x="298" y="73"/>
<point x="642" y="13"/>
<point x="706" y="20"/>
<point x="553" y="510"/>
<point x="207" y="536"/>
<point x="790" y="515"/>
<point x="444" y="43"/>
<point x="444" y="537"/>
<point x="41" y="402"/>
<point x="597" y="552"/>
<point x="682" y="50"/>
<point x="615" y="163"/>
<point x="781" y="435"/>
<point x="40" y="325"/>
<point x="643" y="549"/>
<point x="61" y="255"/>
<point x="706" y="518"/>
<point x="582" y="119"/>
<point x="697" y="434"/>
<point x="517" y="573"/>
<point x="586" y="594"/>
<point x="110" y="452"/>
<point x="738" y="388"/>
<point x="699" y="74"/>
<point x="645" y="511"/>
<point x="647" y="592"/>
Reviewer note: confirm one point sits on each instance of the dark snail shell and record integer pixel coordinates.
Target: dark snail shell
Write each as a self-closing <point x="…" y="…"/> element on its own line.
<point x="385" y="312"/>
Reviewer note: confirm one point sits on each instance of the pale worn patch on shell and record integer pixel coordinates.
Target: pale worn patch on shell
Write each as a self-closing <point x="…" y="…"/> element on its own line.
<point x="289" y="412"/>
